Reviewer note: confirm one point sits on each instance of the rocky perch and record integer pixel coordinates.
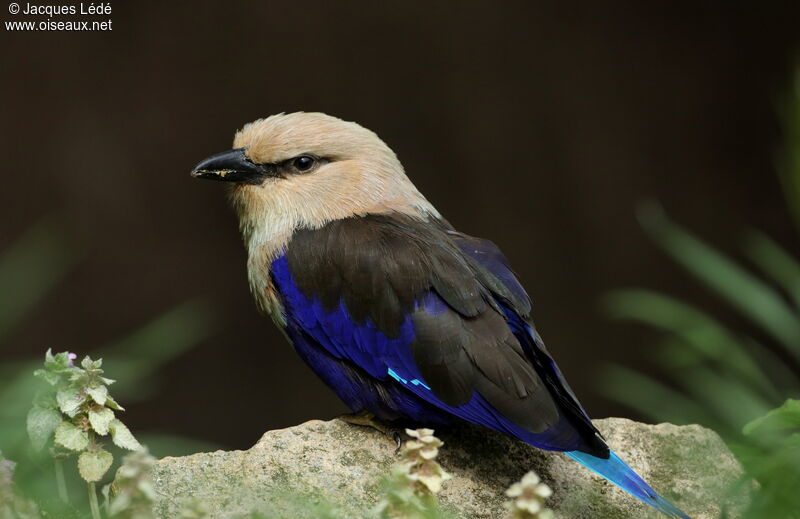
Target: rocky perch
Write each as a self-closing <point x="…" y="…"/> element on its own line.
<point x="342" y="465"/>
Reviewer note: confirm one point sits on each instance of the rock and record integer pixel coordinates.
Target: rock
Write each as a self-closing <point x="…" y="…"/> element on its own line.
<point x="291" y="471"/>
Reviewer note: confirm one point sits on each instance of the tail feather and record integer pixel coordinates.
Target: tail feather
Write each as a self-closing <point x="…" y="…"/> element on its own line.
<point x="616" y="471"/>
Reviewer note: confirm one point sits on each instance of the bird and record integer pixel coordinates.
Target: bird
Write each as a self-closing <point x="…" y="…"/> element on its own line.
<point x="402" y="316"/>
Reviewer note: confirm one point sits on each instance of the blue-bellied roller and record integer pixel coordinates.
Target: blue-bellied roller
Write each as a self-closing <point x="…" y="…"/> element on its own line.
<point x="400" y="314"/>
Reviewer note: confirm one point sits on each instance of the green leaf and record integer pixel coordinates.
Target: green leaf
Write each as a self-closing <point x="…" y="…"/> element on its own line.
<point x="56" y="368"/>
<point x="69" y="401"/>
<point x="70" y="437"/>
<point x="94" y="464"/>
<point x="742" y="357"/>
<point x="784" y="419"/>
<point x="749" y="295"/>
<point x="122" y="437"/>
<point x="120" y="503"/>
<point x="99" y="394"/>
<point x="145" y="486"/>
<point x="48" y="376"/>
<point x="42" y="424"/>
<point x="775" y="262"/>
<point x="88" y="364"/>
<point x="106" y="493"/>
<point x="138" y="357"/>
<point x="716" y="391"/>
<point x="30" y="269"/>
<point x="58" y="362"/>
<point x="100" y="420"/>
<point x="110" y="402"/>
<point x="45" y="399"/>
<point x="649" y="396"/>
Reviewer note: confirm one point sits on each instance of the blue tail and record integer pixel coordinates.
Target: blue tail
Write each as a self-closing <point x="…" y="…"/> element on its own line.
<point x="616" y="471"/>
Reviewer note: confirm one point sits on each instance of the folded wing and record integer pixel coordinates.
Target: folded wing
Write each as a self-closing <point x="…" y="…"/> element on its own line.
<point x="438" y="313"/>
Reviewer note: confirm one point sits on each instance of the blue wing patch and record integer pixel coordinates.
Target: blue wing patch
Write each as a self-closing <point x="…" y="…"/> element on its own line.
<point x="369" y="370"/>
<point x="415" y="382"/>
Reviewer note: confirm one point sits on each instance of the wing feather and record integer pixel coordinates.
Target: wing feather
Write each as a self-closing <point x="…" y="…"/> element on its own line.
<point x="437" y="311"/>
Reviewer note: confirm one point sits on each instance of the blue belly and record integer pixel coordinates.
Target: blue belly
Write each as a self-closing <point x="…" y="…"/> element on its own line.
<point x="360" y="392"/>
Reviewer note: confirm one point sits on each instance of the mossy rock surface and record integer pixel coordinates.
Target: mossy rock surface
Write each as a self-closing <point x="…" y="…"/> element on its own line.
<point x="302" y="471"/>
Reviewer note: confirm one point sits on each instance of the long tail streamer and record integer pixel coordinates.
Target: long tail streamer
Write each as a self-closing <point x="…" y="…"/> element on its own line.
<point x="616" y="471"/>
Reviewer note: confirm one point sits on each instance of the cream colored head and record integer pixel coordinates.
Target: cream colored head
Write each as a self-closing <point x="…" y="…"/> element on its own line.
<point x="276" y="190"/>
<point x="353" y="173"/>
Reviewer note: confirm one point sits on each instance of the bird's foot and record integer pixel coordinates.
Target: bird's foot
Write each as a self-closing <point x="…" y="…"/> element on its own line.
<point x="367" y="419"/>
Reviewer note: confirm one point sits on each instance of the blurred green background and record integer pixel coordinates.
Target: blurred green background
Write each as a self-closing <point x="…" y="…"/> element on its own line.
<point x="540" y="125"/>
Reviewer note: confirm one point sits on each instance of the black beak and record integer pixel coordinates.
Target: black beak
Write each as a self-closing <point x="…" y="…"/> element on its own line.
<point x="233" y="166"/>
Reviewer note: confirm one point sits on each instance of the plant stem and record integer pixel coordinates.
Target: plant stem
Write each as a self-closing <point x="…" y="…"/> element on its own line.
<point x="60" y="482"/>
<point x="92" y="489"/>
<point x="93" y="502"/>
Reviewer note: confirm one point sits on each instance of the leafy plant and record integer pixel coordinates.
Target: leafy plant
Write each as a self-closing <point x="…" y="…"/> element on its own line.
<point x="772" y="457"/>
<point x="717" y="366"/>
<point x="528" y="498"/>
<point x="410" y="491"/>
<point x="132" y="495"/>
<point x="725" y="379"/>
<point x="12" y="504"/>
<point x="75" y="413"/>
<point x="30" y="269"/>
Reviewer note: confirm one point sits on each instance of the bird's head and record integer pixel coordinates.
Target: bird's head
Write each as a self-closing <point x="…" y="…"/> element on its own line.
<point x="298" y="170"/>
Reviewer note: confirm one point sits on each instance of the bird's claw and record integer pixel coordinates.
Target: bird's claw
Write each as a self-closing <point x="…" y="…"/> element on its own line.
<point x="367" y="419"/>
<point x="397" y="436"/>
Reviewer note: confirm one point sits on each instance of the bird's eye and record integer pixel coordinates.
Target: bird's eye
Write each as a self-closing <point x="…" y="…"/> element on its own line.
<point x="303" y="163"/>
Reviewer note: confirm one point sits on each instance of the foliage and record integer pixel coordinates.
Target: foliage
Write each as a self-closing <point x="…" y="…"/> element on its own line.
<point x="725" y="379"/>
<point x="772" y="457"/>
<point x="131" y="495"/>
<point x="77" y="410"/>
<point x="528" y="497"/>
<point x="74" y="413"/>
<point x="717" y="366"/>
<point x="30" y="270"/>
<point x="410" y="491"/>
<point x="12" y="504"/>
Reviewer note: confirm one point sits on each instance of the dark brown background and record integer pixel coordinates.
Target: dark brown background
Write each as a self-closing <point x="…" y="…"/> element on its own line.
<point x="539" y="125"/>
